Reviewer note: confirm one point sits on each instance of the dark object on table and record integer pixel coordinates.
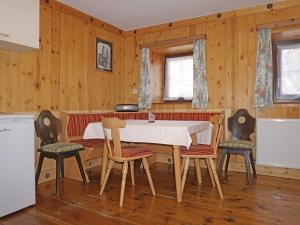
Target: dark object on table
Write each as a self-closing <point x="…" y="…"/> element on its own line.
<point x="241" y="125"/>
<point x="48" y="128"/>
<point x="127" y="108"/>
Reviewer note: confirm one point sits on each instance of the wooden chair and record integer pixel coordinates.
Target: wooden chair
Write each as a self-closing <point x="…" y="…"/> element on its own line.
<point x="206" y="152"/>
<point x="48" y="129"/>
<point x="241" y="125"/>
<point x="123" y="155"/>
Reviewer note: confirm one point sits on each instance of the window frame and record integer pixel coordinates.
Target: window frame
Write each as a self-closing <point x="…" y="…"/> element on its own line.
<point x="178" y="100"/>
<point x="277" y="97"/>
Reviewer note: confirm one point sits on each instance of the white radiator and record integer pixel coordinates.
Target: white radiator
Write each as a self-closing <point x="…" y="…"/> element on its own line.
<point x="278" y="142"/>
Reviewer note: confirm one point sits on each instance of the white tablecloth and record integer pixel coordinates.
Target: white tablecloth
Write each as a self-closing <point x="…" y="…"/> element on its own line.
<point x="169" y="132"/>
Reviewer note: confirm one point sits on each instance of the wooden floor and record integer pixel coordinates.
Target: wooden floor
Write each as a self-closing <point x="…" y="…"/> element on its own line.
<point x="270" y="201"/>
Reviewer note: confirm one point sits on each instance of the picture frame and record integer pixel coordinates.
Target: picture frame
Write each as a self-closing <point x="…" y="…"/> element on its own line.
<point x="103" y="55"/>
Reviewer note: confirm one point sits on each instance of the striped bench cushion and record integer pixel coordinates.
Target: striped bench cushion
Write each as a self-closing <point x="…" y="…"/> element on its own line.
<point x="79" y="121"/>
<point x="90" y="143"/>
<point x="134" y="151"/>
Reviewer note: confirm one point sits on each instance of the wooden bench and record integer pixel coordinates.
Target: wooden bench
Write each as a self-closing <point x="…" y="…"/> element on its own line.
<point x="77" y="122"/>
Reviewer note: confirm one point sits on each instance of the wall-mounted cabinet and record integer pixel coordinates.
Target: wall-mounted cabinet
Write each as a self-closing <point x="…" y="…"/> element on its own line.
<point x="19" y="25"/>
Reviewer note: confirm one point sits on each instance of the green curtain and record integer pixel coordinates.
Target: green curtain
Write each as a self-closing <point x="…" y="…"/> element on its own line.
<point x="145" y="88"/>
<point x="200" y="91"/>
<point x="263" y="90"/>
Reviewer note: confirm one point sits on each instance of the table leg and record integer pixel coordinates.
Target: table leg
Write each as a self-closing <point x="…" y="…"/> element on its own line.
<point x="104" y="164"/>
<point x="177" y="159"/>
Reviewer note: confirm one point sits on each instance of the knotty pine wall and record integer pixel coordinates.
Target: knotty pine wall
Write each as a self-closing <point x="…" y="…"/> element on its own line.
<point x="231" y="64"/>
<point x="231" y="56"/>
<point x="61" y="75"/>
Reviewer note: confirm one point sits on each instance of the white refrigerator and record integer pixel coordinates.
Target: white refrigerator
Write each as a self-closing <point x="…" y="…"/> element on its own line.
<point x="17" y="184"/>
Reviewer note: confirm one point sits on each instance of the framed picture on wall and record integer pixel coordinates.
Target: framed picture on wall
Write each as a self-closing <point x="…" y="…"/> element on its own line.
<point x="103" y="55"/>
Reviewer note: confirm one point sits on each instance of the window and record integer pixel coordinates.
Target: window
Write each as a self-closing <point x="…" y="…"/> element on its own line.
<point x="179" y="78"/>
<point x="287" y="71"/>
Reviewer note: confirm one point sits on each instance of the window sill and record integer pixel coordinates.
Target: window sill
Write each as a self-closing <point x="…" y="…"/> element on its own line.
<point x="179" y="100"/>
<point x="286" y="99"/>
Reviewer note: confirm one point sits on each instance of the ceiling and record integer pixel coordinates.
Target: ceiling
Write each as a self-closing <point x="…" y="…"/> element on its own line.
<point x="133" y="14"/>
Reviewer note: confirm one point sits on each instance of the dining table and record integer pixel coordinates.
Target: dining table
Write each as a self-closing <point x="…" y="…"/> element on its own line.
<point x="164" y="132"/>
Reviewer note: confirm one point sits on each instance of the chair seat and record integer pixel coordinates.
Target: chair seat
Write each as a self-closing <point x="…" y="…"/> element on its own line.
<point x="90" y="143"/>
<point x="197" y="150"/>
<point x="237" y="144"/>
<point x="134" y="151"/>
<point x="62" y="147"/>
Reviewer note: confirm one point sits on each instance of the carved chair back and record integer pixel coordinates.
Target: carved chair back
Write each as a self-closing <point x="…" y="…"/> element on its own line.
<point x="241" y="125"/>
<point x="48" y="127"/>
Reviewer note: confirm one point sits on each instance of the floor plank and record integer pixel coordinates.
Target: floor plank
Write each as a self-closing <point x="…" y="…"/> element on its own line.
<point x="271" y="200"/>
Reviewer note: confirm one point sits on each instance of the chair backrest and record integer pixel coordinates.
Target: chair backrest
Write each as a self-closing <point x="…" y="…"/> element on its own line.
<point x="113" y="125"/>
<point x="241" y="125"/>
<point x="48" y="127"/>
<point x="217" y="122"/>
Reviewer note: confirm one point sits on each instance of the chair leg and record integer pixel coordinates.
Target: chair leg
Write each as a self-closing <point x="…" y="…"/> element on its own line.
<point x="124" y="174"/>
<point x="109" y="167"/>
<point x="146" y="166"/>
<point x="39" y="168"/>
<point x="252" y="164"/>
<point x="58" y="170"/>
<point x="132" y="172"/>
<point x="80" y="167"/>
<point x="247" y="162"/>
<point x="198" y="170"/>
<point x="182" y="165"/>
<point x="212" y="165"/>
<point x="62" y="168"/>
<point x="227" y="163"/>
<point x="210" y="173"/>
<point x="223" y="155"/>
<point x="185" y="170"/>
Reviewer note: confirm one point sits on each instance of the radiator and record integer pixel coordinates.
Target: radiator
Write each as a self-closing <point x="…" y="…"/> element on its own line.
<point x="278" y="142"/>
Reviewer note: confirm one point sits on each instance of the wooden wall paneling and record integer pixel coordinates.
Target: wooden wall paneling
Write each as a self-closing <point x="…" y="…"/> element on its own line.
<point x="128" y="76"/>
<point x="73" y="63"/>
<point x="210" y="62"/>
<point x="97" y="79"/>
<point x="278" y="15"/>
<point x="119" y="73"/>
<point x="242" y="63"/>
<point x="42" y="84"/>
<point x="55" y="60"/>
<point x="230" y="58"/>
<point x="293" y="111"/>
<point x="157" y="76"/>
<point x="12" y="81"/>
<point x="79" y="65"/>
<point x="219" y="75"/>
<point x="177" y="33"/>
<point x="251" y="67"/>
<point x="8" y="67"/>
<point x="28" y="69"/>
<point x="276" y="111"/>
